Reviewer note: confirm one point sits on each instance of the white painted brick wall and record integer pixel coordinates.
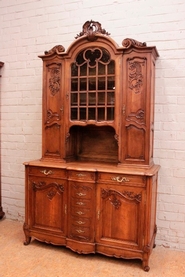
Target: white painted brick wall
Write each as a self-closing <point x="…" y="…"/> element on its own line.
<point x="29" y="27"/>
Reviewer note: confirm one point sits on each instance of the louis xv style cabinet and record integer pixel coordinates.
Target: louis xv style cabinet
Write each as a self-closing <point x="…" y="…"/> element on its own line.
<point x="95" y="187"/>
<point x="1" y="209"/>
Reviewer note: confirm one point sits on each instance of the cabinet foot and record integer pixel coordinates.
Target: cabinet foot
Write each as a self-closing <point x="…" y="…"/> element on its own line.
<point x="27" y="241"/>
<point x="146" y="268"/>
<point x="1" y="213"/>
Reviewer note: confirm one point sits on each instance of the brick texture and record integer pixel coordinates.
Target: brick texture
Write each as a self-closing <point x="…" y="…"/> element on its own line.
<point x="29" y="27"/>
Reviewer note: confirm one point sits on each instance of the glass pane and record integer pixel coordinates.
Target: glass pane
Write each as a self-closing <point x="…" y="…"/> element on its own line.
<point x="74" y="113"/>
<point x="101" y="83"/>
<point x="82" y="113"/>
<point x="110" y="98"/>
<point x="74" y="99"/>
<point x="110" y="83"/>
<point x="101" y="98"/>
<point x="92" y="83"/>
<point x="101" y="114"/>
<point x="83" y="70"/>
<point x="83" y="84"/>
<point x="83" y="99"/>
<point x="101" y="69"/>
<point x="105" y="57"/>
<point x="91" y="113"/>
<point x="92" y="98"/>
<point x="111" y="67"/>
<point x="92" y="71"/>
<point x="74" y="70"/>
<point x="110" y="113"/>
<point x="74" y="84"/>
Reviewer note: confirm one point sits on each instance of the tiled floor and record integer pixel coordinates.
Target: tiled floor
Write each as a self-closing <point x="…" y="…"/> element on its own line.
<point x="43" y="260"/>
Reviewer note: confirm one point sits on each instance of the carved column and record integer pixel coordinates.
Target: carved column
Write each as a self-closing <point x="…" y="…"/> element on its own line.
<point x="1" y="209"/>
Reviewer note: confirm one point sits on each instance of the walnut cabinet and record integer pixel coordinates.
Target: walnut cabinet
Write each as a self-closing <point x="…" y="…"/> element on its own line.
<point x="95" y="187"/>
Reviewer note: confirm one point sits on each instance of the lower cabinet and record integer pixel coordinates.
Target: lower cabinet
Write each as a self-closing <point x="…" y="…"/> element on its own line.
<point x="92" y="210"/>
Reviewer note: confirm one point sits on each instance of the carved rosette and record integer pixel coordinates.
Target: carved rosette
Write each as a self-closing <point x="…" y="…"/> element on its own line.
<point x="54" y="188"/>
<point x="113" y="195"/>
<point x="91" y="29"/>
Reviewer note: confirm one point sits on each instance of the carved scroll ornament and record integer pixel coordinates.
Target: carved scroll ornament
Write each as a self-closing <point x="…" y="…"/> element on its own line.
<point x="58" y="49"/>
<point x="54" y="188"/>
<point x="128" y="42"/>
<point x="113" y="195"/>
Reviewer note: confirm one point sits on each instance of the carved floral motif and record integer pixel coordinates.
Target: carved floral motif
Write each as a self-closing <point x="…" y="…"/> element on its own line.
<point x="138" y="117"/>
<point x="91" y="29"/>
<point x="54" y="80"/>
<point x="135" y="76"/>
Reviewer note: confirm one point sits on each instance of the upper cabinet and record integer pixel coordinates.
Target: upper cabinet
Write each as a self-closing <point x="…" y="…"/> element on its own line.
<point x="98" y="100"/>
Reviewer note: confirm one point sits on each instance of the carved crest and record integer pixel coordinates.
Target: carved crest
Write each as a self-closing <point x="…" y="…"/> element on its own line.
<point x="91" y="29"/>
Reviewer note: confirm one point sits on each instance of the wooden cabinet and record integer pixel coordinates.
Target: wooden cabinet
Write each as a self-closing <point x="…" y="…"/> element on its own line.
<point x="1" y="209"/>
<point x="94" y="188"/>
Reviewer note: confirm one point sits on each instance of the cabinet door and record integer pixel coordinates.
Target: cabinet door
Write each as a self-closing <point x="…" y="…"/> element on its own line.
<point x="120" y="216"/>
<point x="47" y="205"/>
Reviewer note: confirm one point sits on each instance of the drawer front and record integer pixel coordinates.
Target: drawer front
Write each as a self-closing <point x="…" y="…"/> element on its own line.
<point x="80" y="222"/>
<point x="81" y="203"/>
<point x="80" y="232"/>
<point x="81" y="212"/>
<point x="81" y="176"/>
<point x="47" y="172"/>
<point x="81" y="191"/>
<point x="118" y="178"/>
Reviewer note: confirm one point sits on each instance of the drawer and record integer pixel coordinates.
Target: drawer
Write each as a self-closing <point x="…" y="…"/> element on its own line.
<point x="118" y="178"/>
<point x="77" y="202"/>
<point x="47" y="172"/>
<point x="81" y="212"/>
<point x="82" y="191"/>
<point x="79" y="221"/>
<point x="81" y="175"/>
<point x="79" y="231"/>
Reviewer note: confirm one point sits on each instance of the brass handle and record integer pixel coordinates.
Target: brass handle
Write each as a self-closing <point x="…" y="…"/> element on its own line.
<point x="80" y="213"/>
<point x="45" y="172"/>
<point x="120" y="179"/>
<point x="80" y="231"/>
<point x="81" y="194"/>
<point x="80" y="175"/>
<point x="80" y="222"/>
<point x="80" y="203"/>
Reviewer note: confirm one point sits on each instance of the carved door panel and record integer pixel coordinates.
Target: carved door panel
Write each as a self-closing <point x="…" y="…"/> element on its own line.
<point x="81" y="211"/>
<point x="53" y="109"/>
<point x="136" y="103"/>
<point x="120" y="216"/>
<point x="48" y="204"/>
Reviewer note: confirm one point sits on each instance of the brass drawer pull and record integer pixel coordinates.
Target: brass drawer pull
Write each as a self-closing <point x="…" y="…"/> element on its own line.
<point x="45" y="172"/>
<point x="80" y="175"/>
<point x="80" y="203"/>
<point x="80" y="231"/>
<point x="120" y="179"/>
<point x="80" y="222"/>
<point x="81" y="194"/>
<point x="80" y="213"/>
